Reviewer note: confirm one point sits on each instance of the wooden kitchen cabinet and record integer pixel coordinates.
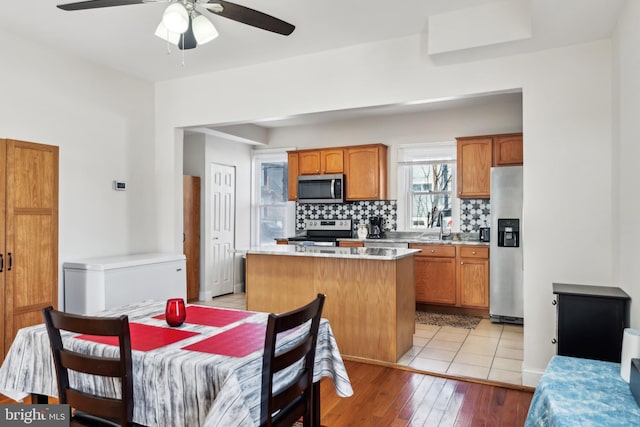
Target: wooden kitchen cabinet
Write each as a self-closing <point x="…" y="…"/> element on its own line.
<point x="507" y="150"/>
<point x="474" y="167"/>
<point x="28" y="236"/>
<point x="453" y="277"/>
<point x="473" y="276"/>
<point x="366" y="172"/>
<point x="292" y="175"/>
<point x="318" y="162"/>
<point x="351" y="244"/>
<point x="476" y="156"/>
<point x="435" y="270"/>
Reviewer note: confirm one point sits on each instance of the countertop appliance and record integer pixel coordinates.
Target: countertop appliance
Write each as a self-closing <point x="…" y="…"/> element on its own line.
<point x="485" y="234"/>
<point x="376" y="227"/>
<point x="325" y="232"/>
<point x="321" y="188"/>
<point x="506" y="303"/>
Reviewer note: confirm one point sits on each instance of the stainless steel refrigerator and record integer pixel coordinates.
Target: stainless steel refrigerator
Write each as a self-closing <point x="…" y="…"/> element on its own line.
<point x="505" y="272"/>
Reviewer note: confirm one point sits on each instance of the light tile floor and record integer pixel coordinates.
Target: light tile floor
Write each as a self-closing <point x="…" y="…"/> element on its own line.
<point x="490" y="351"/>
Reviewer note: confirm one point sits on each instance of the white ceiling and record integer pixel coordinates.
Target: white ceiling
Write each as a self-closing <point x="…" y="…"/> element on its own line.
<point x="122" y="37"/>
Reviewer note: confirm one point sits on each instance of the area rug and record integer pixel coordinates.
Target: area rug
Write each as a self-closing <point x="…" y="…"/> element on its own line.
<point x="454" y="320"/>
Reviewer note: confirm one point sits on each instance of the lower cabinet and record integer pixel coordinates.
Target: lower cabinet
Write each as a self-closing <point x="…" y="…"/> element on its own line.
<point x="473" y="277"/>
<point x="452" y="275"/>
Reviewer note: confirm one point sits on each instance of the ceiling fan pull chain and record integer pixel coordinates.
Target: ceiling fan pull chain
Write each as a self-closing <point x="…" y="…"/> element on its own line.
<point x="182" y="49"/>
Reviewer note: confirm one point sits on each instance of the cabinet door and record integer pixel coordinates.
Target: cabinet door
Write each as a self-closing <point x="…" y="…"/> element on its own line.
<point x="309" y="162"/>
<point x="474" y="167"/>
<point x="351" y="244"/>
<point x="292" y="175"/>
<point x="507" y="150"/>
<point x="366" y="172"/>
<point x="435" y="280"/>
<point x="332" y="161"/>
<point x="474" y="282"/>
<point x="3" y="169"/>
<point x="31" y="271"/>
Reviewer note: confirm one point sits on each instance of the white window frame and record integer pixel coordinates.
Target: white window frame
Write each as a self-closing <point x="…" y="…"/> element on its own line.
<point x="424" y="153"/>
<point x="259" y="157"/>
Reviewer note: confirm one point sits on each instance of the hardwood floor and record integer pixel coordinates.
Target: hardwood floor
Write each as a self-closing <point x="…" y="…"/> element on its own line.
<point x="385" y="396"/>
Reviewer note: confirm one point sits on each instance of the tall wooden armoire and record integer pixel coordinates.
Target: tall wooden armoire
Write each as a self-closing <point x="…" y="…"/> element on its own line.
<point x="28" y="235"/>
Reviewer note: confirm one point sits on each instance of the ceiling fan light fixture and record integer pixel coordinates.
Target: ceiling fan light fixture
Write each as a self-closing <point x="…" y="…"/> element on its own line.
<point x="203" y="29"/>
<point x="176" y="18"/>
<point x="167" y="35"/>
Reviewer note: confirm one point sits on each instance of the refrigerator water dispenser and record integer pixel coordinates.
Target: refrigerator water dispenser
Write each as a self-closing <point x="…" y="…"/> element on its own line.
<point x="509" y="232"/>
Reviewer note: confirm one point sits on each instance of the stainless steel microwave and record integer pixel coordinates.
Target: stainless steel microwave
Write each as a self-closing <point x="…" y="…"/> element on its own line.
<point x="321" y="188"/>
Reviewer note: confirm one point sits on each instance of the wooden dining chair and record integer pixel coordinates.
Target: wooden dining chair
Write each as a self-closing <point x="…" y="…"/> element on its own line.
<point x="297" y="397"/>
<point x="92" y="410"/>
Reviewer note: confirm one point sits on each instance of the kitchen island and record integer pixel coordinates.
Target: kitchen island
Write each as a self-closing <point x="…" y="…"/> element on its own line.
<point x="370" y="292"/>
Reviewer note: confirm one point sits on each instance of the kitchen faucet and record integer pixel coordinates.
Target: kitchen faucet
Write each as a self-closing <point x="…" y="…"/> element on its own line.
<point x="441" y="222"/>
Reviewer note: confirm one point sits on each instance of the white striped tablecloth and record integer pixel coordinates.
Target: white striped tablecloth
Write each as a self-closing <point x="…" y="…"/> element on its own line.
<point x="172" y="387"/>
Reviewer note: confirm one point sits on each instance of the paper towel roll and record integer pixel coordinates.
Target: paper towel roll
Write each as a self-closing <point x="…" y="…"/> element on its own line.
<point x="630" y="350"/>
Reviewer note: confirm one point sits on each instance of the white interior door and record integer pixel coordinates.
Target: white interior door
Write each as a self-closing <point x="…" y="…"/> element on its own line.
<point x="223" y="202"/>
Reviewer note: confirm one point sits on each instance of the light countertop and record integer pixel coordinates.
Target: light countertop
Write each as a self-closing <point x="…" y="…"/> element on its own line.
<point x="383" y="254"/>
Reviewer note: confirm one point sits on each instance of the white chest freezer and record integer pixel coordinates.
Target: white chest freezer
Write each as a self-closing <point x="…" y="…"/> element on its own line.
<point x="96" y="284"/>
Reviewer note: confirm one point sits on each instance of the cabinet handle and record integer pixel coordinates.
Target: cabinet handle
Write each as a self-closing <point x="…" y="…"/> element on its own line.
<point x="474" y="252"/>
<point x="10" y="261"/>
<point x="461" y="263"/>
<point x="1" y="263"/>
<point x="433" y="251"/>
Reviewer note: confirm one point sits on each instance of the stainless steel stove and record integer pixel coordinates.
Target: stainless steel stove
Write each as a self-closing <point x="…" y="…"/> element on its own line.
<point x="324" y="232"/>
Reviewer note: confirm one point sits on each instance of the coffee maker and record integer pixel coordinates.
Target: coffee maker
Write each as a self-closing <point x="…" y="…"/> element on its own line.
<point x="376" y="227"/>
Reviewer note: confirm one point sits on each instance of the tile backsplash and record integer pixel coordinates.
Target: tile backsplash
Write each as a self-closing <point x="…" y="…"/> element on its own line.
<point x="359" y="212"/>
<point x="473" y="213"/>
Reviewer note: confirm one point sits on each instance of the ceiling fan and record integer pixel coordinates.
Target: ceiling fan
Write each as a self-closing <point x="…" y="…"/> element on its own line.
<point x="185" y="27"/>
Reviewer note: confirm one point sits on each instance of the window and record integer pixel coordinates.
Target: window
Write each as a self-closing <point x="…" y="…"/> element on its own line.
<point x="426" y="184"/>
<point x="273" y="214"/>
<point x="430" y="194"/>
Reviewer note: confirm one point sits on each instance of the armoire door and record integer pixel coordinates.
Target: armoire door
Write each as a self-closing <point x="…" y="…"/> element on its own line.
<point x="191" y="224"/>
<point x="30" y="234"/>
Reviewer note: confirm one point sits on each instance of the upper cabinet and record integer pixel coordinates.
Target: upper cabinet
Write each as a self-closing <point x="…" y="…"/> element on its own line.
<point x="315" y="162"/>
<point x="365" y="169"/>
<point x="474" y="167"/>
<point x="476" y="156"/>
<point x="507" y="150"/>
<point x="292" y="175"/>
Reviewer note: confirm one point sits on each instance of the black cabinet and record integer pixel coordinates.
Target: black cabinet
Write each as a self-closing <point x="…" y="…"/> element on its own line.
<point x="591" y="321"/>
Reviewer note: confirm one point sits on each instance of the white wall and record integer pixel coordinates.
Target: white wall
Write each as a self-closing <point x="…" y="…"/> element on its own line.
<point x="102" y="122"/>
<point x="567" y="122"/>
<point x="627" y="153"/>
<point x="200" y="151"/>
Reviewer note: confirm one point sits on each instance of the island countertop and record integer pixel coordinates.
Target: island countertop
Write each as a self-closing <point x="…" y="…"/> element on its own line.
<point x="384" y="254"/>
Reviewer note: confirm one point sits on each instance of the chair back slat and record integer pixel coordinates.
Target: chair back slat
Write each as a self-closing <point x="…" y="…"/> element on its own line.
<point x="294" y="400"/>
<point x="119" y="367"/>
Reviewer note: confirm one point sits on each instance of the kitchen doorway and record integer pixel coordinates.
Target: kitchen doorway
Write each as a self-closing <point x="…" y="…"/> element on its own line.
<point x="222" y="228"/>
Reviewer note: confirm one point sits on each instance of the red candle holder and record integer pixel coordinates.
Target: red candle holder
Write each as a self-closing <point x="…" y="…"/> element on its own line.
<point x="175" y="313"/>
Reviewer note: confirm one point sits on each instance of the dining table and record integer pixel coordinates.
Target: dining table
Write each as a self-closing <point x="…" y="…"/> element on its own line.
<point x="206" y="372"/>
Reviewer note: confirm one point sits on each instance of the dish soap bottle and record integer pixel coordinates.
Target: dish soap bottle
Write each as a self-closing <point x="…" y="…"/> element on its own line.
<point x="362" y="231"/>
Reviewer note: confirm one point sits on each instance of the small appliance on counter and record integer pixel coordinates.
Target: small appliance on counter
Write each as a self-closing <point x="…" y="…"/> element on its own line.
<point x="485" y="233"/>
<point x="376" y="227"/>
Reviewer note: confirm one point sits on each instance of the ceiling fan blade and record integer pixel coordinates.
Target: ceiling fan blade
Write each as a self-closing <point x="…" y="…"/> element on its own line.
<point x="253" y="17"/>
<point x="93" y="4"/>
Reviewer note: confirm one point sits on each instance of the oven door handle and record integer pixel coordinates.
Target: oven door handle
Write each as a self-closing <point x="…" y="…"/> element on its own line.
<point x="333" y="188"/>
